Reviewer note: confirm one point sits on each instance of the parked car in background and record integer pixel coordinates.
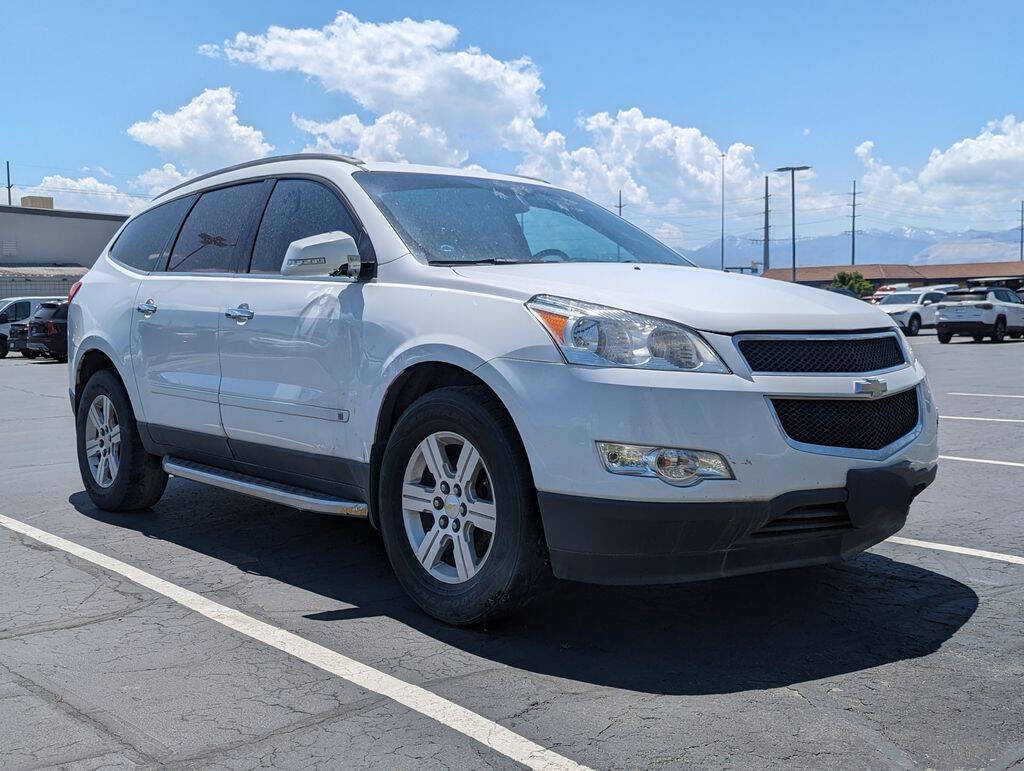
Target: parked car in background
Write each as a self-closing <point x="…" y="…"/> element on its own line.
<point x="48" y="330"/>
<point x="14" y="310"/>
<point x="981" y="313"/>
<point x="504" y="377"/>
<point x="913" y="311"/>
<point x="17" y="340"/>
<point x="884" y="291"/>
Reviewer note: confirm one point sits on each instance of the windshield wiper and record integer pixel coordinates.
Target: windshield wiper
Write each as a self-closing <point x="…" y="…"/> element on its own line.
<point x="487" y="261"/>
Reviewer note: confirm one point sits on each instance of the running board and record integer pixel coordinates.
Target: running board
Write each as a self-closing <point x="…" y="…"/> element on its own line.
<point x="287" y="495"/>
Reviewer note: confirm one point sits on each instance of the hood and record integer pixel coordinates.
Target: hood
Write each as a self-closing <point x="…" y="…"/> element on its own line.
<point x="897" y="307"/>
<point x="707" y="300"/>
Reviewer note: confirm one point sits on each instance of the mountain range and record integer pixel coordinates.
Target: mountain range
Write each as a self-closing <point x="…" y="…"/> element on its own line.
<point x="914" y="246"/>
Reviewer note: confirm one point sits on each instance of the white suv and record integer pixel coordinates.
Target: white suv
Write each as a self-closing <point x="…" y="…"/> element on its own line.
<point x="508" y="380"/>
<point x="981" y="312"/>
<point x="913" y="310"/>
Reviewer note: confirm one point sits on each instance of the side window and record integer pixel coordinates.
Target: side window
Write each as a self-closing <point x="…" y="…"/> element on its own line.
<point x="215" y="236"/>
<point x="1002" y="295"/>
<point x="144" y="242"/>
<point x="21" y="310"/>
<point x="933" y="297"/>
<point x="298" y="208"/>
<point x="1015" y="298"/>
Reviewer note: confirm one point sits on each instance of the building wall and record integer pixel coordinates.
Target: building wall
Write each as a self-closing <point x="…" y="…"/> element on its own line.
<point x="47" y="237"/>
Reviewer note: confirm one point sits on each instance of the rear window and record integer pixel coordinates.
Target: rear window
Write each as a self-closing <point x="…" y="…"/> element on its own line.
<point x="957" y="297"/>
<point x="51" y="311"/>
<point x="144" y="242"/>
<point x="900" y="299"/>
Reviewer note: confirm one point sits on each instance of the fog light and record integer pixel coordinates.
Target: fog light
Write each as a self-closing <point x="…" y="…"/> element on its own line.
<point x="673" y="465"/>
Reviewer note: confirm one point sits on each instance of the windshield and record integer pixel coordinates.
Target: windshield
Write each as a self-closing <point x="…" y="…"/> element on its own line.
<point x="900" y="299"/>
<point x="449" y="219"/>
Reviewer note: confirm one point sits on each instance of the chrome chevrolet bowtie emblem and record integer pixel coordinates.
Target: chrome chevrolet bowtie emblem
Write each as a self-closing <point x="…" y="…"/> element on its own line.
<point x="872" y="386"/>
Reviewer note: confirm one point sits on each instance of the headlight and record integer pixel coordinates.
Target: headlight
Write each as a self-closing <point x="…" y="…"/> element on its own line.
<point x="676" y="466"/>
<point x="598" y="336"/>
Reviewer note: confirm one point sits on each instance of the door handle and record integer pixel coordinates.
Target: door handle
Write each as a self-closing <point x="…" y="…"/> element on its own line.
<point x="147" y="308"/>
<point x="241" y="314"/>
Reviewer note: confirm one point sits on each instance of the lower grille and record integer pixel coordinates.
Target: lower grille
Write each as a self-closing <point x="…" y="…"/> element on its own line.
<point x="849" y="423"/>
<point x="806" y="520"/>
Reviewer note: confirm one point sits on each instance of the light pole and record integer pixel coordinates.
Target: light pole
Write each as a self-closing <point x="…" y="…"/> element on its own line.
<point x="723" y="212"/>
<point x="792" y="199"/>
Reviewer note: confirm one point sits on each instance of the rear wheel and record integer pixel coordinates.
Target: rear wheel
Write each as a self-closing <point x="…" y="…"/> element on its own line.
<point x="118" y="473"/>
<point x="27" y="353"/>
<point x="458" y="511"/>
<point x="1017" y="335"/>
<point x="999" y="331"/>
<point x="913" y="326"/>
<point x="3" y="347"/>
<point x="979" y="338"/>
<point x="945" y="337"/>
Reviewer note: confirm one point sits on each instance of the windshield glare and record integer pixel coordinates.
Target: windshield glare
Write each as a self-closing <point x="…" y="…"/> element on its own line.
<point x="900" y="299"/>
<point x="450" y="219"/>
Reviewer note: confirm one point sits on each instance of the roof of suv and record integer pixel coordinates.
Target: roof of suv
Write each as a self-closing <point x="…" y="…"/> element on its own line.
<point x="475" y="171"/>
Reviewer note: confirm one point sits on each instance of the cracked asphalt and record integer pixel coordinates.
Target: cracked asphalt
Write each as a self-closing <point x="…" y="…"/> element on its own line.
<point x="901" y="658"/>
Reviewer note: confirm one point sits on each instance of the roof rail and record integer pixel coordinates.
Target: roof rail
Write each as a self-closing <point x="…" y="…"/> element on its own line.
<point x="261" y="161"/>
<point x="524" y="176"/>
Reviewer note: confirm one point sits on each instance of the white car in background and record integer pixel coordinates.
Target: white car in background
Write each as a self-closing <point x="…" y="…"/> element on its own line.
<point x="913" y="310"/>
<point x="980" y="313"/>
<point x="508" y="380"/>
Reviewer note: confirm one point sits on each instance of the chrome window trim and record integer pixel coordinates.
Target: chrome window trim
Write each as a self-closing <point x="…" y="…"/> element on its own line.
<point x="851" y="452"/>
<point x="900" y="341"/>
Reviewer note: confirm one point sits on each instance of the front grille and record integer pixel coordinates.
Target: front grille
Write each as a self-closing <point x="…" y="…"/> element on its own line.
<point x="850" y="423"/>
<point x="806" y="520"/>
<point x="842" y="355"/>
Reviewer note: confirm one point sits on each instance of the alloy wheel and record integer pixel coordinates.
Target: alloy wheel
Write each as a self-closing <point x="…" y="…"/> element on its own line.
<point x="448" y="507"/>
<point x="103" y="441"/>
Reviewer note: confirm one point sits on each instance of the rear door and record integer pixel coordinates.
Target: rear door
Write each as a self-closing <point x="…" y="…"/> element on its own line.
<point x="287" y="358"/>
<point x="928" y="312"/>
<point x="177" y="321"/>
<point x="1014" y="308"/>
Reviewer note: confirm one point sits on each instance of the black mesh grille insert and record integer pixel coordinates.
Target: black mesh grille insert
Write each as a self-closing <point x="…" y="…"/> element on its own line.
<point x="865" y="354"/>
<point x="850" y="423"/>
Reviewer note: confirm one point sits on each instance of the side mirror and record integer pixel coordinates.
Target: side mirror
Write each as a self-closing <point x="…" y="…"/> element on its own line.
<point x="327" y="254"/>
<point x="926" y="302"/>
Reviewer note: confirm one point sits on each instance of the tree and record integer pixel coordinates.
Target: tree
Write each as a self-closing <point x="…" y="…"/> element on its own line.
<point x="853" y="281"/>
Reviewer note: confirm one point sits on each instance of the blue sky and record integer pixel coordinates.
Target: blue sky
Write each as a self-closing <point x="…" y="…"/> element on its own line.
<point x="641" y="96"/>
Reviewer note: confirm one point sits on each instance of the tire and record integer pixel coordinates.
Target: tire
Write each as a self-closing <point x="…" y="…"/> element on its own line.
<point x="139" y="479"/>
<point x="1016" y="335"/>
<point x="945" y="337"/>
<point x="3" y="347"/>
<point x="28" y="354"/>
<point x="979" y="338"/>
<point x="913" y="326"/>
<point x="502" y="571"/>
<point x="999" y="331"/>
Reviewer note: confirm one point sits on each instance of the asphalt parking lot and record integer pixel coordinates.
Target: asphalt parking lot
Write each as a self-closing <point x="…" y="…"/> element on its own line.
<point x="907" y="656"/>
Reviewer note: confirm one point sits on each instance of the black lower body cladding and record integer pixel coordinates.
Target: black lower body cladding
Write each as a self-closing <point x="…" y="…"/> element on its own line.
<point x="631" y="542"/>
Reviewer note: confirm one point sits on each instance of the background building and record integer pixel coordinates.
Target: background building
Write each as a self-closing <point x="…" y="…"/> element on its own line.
<point x="915" y="275"/>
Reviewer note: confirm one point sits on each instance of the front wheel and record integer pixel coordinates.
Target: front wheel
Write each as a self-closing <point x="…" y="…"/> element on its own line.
<point x="458" y="511"/>
<point x="913" y="326"/>
<point x="945" y="337"/>
<point x="999" y="331"/>
<point x="118" y="473"/>
<point x="27" y="353"/>
<point x="3" y="347"/>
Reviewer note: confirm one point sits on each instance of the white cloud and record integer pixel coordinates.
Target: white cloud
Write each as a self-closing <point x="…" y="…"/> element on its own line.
<point x="406" y="66"/>
<point x="157" y="180"/>
<point x="203" y="134"/>
<point x="82" y="194"/>
<point x="395" y="136"/>
<point x="807" y="132"/>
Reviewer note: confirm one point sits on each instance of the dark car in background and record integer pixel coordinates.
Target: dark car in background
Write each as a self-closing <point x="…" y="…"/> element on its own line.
<point x="48" y="330"/>
<point x="17" y="340"/>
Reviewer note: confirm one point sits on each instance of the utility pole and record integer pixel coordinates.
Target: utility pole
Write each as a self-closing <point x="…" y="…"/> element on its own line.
<point x="8" y="182"/>
<point x="853" y="227"/>
<point x="765" y="263"/>
<point x="792" y="199"/>
<point x="723" y="212"/>
<point x="1022" y="231"/>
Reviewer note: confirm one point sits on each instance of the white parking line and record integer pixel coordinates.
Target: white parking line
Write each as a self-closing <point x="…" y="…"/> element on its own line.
<point x="447" y="713"/>
<point x="987" y="420"/>
<point x="991" y="555"/>
<point x="980" y="460"/>
<point x="993" y="396"/>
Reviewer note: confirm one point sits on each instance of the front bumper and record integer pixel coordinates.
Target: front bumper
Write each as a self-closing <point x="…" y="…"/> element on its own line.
<point x="966" y="327"/>
<point x="634" y="542"/>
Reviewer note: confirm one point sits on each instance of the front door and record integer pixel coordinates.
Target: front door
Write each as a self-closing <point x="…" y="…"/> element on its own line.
<point x="288" y="347"/>
<point x="176" y="325"/>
